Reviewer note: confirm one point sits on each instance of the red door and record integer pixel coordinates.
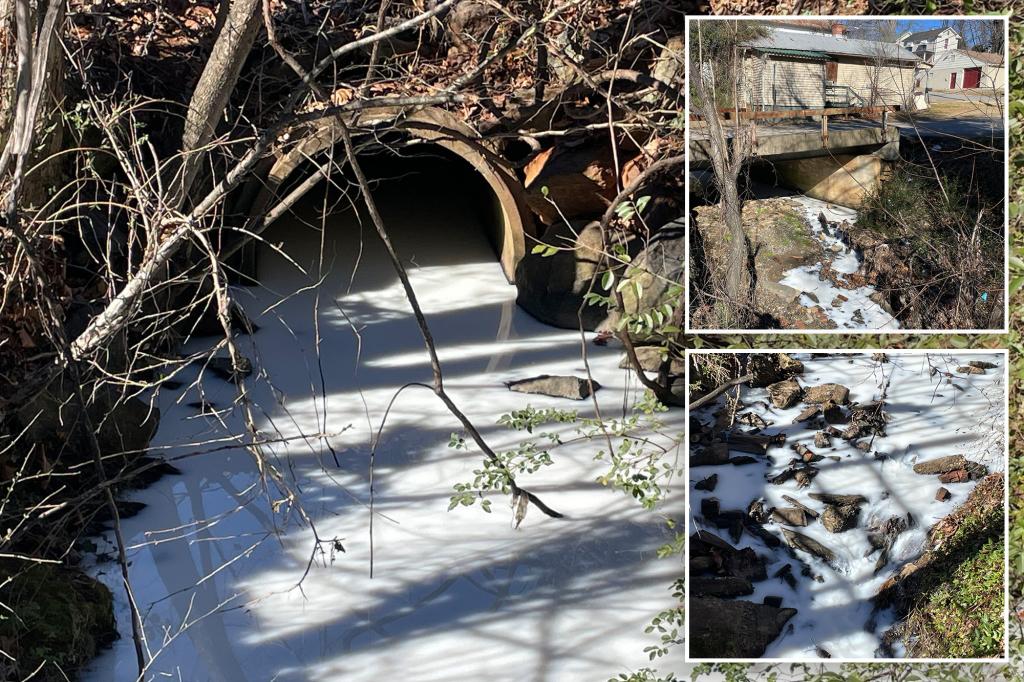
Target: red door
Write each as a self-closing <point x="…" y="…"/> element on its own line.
<point x="972" y="77"/>
<point x="952" y="80"/>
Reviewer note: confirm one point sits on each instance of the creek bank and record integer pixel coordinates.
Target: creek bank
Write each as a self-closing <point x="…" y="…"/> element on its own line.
<point x="829" y="514"/>
<point x="809" y="274"/>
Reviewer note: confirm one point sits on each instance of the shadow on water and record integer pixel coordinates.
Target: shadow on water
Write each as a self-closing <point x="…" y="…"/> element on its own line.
<point x="454" y="593"/>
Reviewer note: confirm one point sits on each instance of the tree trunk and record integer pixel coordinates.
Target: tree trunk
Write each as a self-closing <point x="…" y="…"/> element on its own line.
<point x="218" y="79"/>
<point x="8" y="69"/>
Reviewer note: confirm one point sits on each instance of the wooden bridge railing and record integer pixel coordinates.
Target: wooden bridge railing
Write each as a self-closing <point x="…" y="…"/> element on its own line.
<point x="782" y="114"/>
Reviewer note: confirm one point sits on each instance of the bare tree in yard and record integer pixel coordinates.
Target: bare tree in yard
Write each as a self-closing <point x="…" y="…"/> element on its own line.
<point x="716" y="76"/>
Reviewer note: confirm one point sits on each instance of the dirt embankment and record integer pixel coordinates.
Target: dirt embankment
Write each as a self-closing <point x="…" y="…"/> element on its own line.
<point x="780" y="239"/>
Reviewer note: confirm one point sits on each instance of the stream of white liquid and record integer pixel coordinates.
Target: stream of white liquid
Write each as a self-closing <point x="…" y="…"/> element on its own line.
<point x="231" y="589"/>
<point x="844" y="262"/>
<point x="930" y="418"/>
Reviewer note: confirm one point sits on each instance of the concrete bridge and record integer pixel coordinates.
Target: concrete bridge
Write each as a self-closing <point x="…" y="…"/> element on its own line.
<point x="835" y="158"/>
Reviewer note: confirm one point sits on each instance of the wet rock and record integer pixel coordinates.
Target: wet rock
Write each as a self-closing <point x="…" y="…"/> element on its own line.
<point x="223" y="367"/>
<point x="702" y="564"/>
<point x="722" y="628"/>
<point x="757" y="512"/>
<point x="838" y="519"/>
<point x="858" y="316"/>
<point x="797" y="503"/>
<point x="824" y="393"/>
<point x="752" y="419"/>
<point x="832" y="413"/>
<point x="785" y="394"/>
<point x="771" y="368"/>
<point x="574" y="388"/>
<point x="790" y="516"/>
<point x="822" y="652"/>
<point x="771" y="600"/>
<point x="970" y="369"/>
<point x="744" y="459"/>
<point x="709" y="508"/>
<point x="940" y="465"/>
<point x="711" y="455"/>
<point x="838" y="500"/>
<point x="745" y="563"/>
<point x="785" y="574"/>
<point x="807" y="413"/>
<point x="809" y="545"/>
<point x="753" y="443"/>
<point x="822" y="440"/>
<point x="956" y="476"/>
<point x="941" y="495"/>
<point x="806" y="454"/>
<point x="708" y="483"/>
<point x="811" y="295"/>
<point x="981" y="364"/>
<point x="757" y="530"/>
<point x="804" y="477"/>
<point x="719" y="586"/>
<point x="839" y="300"/>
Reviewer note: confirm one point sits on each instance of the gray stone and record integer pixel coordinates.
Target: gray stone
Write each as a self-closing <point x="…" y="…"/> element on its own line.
<point x="719" y="586"/>
<point x="721" y="628"/>
<point x="940" y="465"/>
<point x="574" y="388"/>
<point x="824" y="393"/>
<point x="837" y="519"/>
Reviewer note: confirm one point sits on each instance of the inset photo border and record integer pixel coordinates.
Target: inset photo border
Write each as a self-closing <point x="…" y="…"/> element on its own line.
<point x="847" y="174"/>
<point x="847" y="505"/>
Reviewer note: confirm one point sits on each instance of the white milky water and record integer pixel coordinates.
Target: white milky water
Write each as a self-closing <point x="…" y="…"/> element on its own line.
<point x="225" y="583"/>
<point x="844" y="262"/>
<point x="929" y="418"/>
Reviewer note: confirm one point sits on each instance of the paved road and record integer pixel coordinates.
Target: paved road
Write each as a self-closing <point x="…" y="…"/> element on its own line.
<point x="981" y="128"/>
<point x="984" y="96"/>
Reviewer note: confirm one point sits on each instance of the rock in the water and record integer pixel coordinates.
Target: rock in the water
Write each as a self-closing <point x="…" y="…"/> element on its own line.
<point x="771" y="368"/>
<point x="708" y="483"/>
<point x="574" y="388"/>
<point x="942" y="495"/>
<point x="955" y="476"/>
<point x="809" y="545"/>
<point x="716" y="453"/>
<point x="785" y="394"/>
<point x="970" y="369"/>
<point x="709" y="508"/>
<point x="719" y="586"/>
<point x="822" y="440"/>
<point x="807" y="413"/>
<point x="940" y="465"/>
<point x="981" y="364"/>
<point x="771" y="600"/>
<point x="838" y="519"/>
<point x="721" y="628"/>
<point x="838" y="500"/>
<point x="790" y="516"/>
<point x="836" y="393"/>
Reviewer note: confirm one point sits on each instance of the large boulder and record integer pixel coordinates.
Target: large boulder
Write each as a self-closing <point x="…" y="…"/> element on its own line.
<point x="725" y="628"/>
<point x="552" y="288"/>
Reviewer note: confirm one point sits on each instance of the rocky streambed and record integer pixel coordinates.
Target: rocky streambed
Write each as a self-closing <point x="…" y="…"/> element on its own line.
<point x="812" y="497"/>
<point x="809" y="275"/>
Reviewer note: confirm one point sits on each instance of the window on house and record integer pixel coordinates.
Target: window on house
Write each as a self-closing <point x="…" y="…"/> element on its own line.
<point x="945" y="44"/>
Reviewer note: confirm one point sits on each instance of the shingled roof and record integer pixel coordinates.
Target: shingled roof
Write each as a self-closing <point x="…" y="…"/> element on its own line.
<point x="832" y="45"/>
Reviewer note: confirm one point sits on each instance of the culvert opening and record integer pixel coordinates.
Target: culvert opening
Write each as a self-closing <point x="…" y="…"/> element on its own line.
<point x="438" y="210"/>
<point x="422" y="174"/>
